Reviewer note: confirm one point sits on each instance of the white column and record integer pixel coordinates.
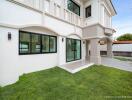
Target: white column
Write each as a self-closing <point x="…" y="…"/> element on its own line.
<point x="109" y="49"/>
<point x="95" y="51"/>
<point x="87" y="50"/>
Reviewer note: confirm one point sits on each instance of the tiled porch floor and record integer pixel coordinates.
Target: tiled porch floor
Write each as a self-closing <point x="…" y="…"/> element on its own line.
<point x="74" y="67"/>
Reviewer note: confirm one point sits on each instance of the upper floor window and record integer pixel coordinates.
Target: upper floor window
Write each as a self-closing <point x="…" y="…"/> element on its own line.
<point x="72" y="6"/>
<point x="88" y="11"/>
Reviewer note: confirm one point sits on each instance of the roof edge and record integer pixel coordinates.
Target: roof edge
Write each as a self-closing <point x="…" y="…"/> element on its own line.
<point x="113" y="7"/>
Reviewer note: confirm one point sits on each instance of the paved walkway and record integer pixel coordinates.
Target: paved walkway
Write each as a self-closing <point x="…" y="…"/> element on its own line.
<point x="123" y="65"/>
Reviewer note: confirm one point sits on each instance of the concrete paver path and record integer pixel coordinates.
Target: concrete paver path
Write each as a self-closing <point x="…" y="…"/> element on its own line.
<point x="123" y="65"/>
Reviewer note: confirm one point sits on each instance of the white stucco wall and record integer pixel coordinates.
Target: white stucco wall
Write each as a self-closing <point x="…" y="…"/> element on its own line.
<point x="16" y="15"/>
<point x="105" y="15"/>
<point x="122" y="47"/>
<point x="95" y="14"/>
<point x="118" y="47"/>
<point x="13" y="65"/>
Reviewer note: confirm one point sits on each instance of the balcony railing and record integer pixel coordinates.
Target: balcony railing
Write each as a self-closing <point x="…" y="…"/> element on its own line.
<point x="52" y="8"/>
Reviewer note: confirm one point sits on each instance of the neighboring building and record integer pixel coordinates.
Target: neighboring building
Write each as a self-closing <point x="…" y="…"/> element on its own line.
<point x="41" y="34"/>
<point x="122" y="48"/>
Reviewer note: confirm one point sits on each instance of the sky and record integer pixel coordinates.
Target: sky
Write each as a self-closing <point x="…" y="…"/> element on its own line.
<point x="122" y="22"/>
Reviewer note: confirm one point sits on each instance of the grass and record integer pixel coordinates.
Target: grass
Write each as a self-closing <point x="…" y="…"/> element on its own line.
<point x="93" y="83"/>
<point x="123" y="58"/>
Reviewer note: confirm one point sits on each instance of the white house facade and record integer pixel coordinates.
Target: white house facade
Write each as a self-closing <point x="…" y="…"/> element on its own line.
<point x="41" y="34"/>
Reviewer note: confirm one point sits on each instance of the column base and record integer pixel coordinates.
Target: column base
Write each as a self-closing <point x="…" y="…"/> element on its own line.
<point x="95" y="59"/>
<point x="109" y="54"/>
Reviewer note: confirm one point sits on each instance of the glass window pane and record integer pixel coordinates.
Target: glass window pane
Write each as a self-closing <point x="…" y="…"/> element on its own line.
<point x="88" y="11"/>
<point x="78" y="49"/>
<point x="52" y="44"/>
<point x="70" y="50"/>
<point x="45" y="44"/>
<point x="73" y="49"/>
<point x="24" y="42"/>
<point x="72" y="6"/>
<point x="35" y="43"/>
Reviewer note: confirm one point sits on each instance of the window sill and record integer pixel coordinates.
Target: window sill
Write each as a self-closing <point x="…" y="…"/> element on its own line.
<point x="37" y="53"/>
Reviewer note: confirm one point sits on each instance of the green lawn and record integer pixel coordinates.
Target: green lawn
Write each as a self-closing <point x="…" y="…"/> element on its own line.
<point x="93" y="83"/>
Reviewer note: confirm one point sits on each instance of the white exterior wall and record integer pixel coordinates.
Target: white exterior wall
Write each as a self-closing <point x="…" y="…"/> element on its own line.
<point x="95" y="14"/>
<point x="122" y="47"/>
<point x="16" y="15"/>
<point x="118" y="47"/>
<point x="12" y="64"/>
<point x="105" y="16"/>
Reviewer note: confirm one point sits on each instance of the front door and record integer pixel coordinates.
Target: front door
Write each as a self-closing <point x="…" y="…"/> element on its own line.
<point x="73" y="49"/>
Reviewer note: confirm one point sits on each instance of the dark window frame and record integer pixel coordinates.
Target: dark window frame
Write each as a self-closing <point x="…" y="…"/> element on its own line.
<point x="87" y="15"/>
<point x="30" y="53"/>
<point x="75" y="5"/>
<point x="74" y="49"/>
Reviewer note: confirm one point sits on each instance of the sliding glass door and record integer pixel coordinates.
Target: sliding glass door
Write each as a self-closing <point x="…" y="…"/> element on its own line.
<point x="73" y="49"/>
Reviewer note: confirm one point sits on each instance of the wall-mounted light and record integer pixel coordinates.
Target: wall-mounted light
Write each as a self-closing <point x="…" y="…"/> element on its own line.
<point x="62" y="39"/>
<point x="9" y="36"/>
<point x="101" y="42"/>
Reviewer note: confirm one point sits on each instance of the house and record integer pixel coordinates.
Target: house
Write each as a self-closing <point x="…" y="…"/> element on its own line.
<point x="122" y="48"/>
<point x="39" y="34"/>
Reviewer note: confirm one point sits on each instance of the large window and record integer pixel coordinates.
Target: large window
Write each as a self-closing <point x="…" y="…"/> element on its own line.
<point x="52" y="44"/>
<point x="24" y="45"/>
<point x="73" y="49"/>
<point x="35" y="43"/>
<point x="72" y="6"/>
<point x="88" y="11"/>
<point x="45" y="44"/>
<point x="31" y="43"/>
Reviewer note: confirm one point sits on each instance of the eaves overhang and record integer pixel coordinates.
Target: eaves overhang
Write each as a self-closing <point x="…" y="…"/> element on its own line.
<point x="113" y="7"/>
<point x="114" y="12"/>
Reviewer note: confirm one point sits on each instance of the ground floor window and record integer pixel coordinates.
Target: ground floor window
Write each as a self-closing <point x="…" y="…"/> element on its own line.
<point x="33" y="43"/>
<point x="73" y="49"/>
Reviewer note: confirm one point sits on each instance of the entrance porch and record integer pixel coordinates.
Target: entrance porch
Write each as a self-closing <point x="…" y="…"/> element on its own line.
<point x="94" y="46"/>
<point x="92" y="55"/>
<point x="74" y="67"/>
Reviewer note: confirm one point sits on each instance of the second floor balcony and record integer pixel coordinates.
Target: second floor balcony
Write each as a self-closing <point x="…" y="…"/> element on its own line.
<point x="49" y="7"/>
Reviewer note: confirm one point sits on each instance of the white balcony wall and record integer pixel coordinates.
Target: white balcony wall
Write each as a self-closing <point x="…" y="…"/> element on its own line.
<point x="14" y="14"/>
<point x="26" y="16"/>
<point x="47" y="6"/>
<point x="61" y="27"/>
